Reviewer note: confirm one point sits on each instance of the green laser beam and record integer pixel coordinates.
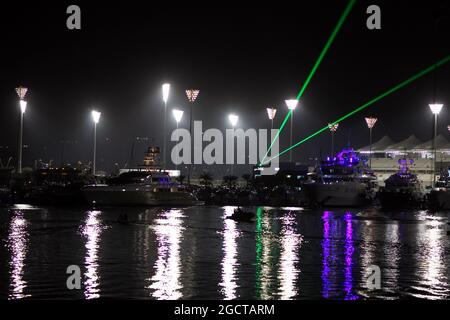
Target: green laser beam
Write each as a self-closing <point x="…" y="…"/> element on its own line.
<point x="367" y="104"/>
<point x="315" y="67"/>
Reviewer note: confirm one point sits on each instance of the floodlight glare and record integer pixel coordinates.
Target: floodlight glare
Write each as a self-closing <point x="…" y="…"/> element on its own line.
<point x="96" y="116"/>
<point x="177" y="114"/>
<point x="271" y="112"/>
<point x="436" y="108"/>
<point x="165" y="92"/>
<point x="292" y="104"/>
<point x="233" y="119"/>
<point x="23" y="106"/>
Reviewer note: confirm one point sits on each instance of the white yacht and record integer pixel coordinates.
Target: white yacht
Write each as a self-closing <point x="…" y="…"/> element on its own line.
<point x="139" y="188"/>
<point x="342" y="181"/>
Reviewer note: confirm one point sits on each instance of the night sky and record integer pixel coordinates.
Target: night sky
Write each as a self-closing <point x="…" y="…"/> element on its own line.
<point x="243" y="58"/>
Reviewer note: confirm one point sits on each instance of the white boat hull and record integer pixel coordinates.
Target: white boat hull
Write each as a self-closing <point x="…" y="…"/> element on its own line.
<point x="137" y="196"/>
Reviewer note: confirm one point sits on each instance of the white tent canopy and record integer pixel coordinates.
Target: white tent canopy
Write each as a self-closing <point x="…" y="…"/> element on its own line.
<point x="427" y="146"/>
<point x="408" y="144"/>
<point x="379" y="146"/>
<point x="411" y="144"/>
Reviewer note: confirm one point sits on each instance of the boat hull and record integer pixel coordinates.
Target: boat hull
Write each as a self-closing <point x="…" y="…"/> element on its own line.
<point x="400" y="200"/>
<point x="105" y="197"/>
<point x="439" y="200"/>
<point x="337" y="194"/>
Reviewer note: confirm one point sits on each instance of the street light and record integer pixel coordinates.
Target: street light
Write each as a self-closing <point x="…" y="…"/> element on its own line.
<point x="271" y="112"/>
<point x="435" y="109"/>
<point x="370" y="124"/>
<point x="21" y="92"/>
<point x="165" y="93"/>
<point x="333" y="128"/>
<point x="192" y="95"/>
<point x="233" y="120"/>
<point x="291" y="104"/>
<point x="96" y="118"/>
<point x="177" y="114"/>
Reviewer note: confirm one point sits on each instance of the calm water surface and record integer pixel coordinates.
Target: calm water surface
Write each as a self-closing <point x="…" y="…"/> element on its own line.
<point x="197" y="253"/>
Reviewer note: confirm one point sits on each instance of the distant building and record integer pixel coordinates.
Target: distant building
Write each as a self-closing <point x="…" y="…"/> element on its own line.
<point x="386" y="153"/>
<point x="151" y="158"/>
<point x="151" y="163"/>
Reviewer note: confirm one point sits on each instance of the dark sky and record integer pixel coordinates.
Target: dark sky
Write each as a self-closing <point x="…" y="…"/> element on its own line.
<point x="243" y="57"/>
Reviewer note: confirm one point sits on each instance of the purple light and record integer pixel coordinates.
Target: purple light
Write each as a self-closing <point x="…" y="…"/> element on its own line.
<point x="349" y="249"/>
<point x="326" y="254"/>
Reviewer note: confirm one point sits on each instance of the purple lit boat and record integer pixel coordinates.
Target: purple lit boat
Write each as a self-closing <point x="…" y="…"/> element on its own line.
<point x="342" y="181"/>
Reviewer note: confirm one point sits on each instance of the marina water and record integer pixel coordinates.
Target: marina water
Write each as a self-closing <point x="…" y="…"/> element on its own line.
<point x="197" y="253"/>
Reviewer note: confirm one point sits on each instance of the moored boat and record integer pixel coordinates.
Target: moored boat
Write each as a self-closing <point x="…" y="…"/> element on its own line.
<point x="139" y="188"/>
<point x="439" y="196"/>
<point x="402" y="190"/>
<point x="342" y="181"/>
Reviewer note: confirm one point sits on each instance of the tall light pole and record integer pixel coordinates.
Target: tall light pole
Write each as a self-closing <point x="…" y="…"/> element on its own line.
<point x="271" y="112"/>
<point x="233" y="120"/>
<point x="96" y="118"/>
<point x="21" y="92"/>
<point x="177" y="114"/>
<point x="291" y="104"/>
<point x="192" y="95"/>
<point x="370" y="124"/>
<point x="333" y="128"/>
<point x="165" y="93"/>
<point x="435" y="109"/>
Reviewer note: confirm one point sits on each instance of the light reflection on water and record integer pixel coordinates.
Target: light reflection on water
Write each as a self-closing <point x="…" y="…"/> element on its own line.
<point x="165" y="284"/>
<point x="91" y="230"/>
<point x="328" y="255"/>
<point x="432" y="278"/>
<point x="229" y="262"/>
<point x="290" y="244"/>
<point x="17" y="244"/>
<point x="225" y="259"/>
<point x="392" y="254"/>
<point x="264" y="261"/>
<point x="349" y="250"/>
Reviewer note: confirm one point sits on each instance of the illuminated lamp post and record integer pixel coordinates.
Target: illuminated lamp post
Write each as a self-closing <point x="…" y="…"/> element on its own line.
<point x="291" y="104"/>
<point x="333" y="128"/>
<point x="192" y="95"/>
<point x="370" y="124"/>
<point x="435" y="109"/>
<point x="178" y="115"/>
<point x="271" y="112"/>
<point x="96" y="118"/>
<point x="165" y="94"/>
<point x="21" y="92"/>
<point x="233" y="120"/>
